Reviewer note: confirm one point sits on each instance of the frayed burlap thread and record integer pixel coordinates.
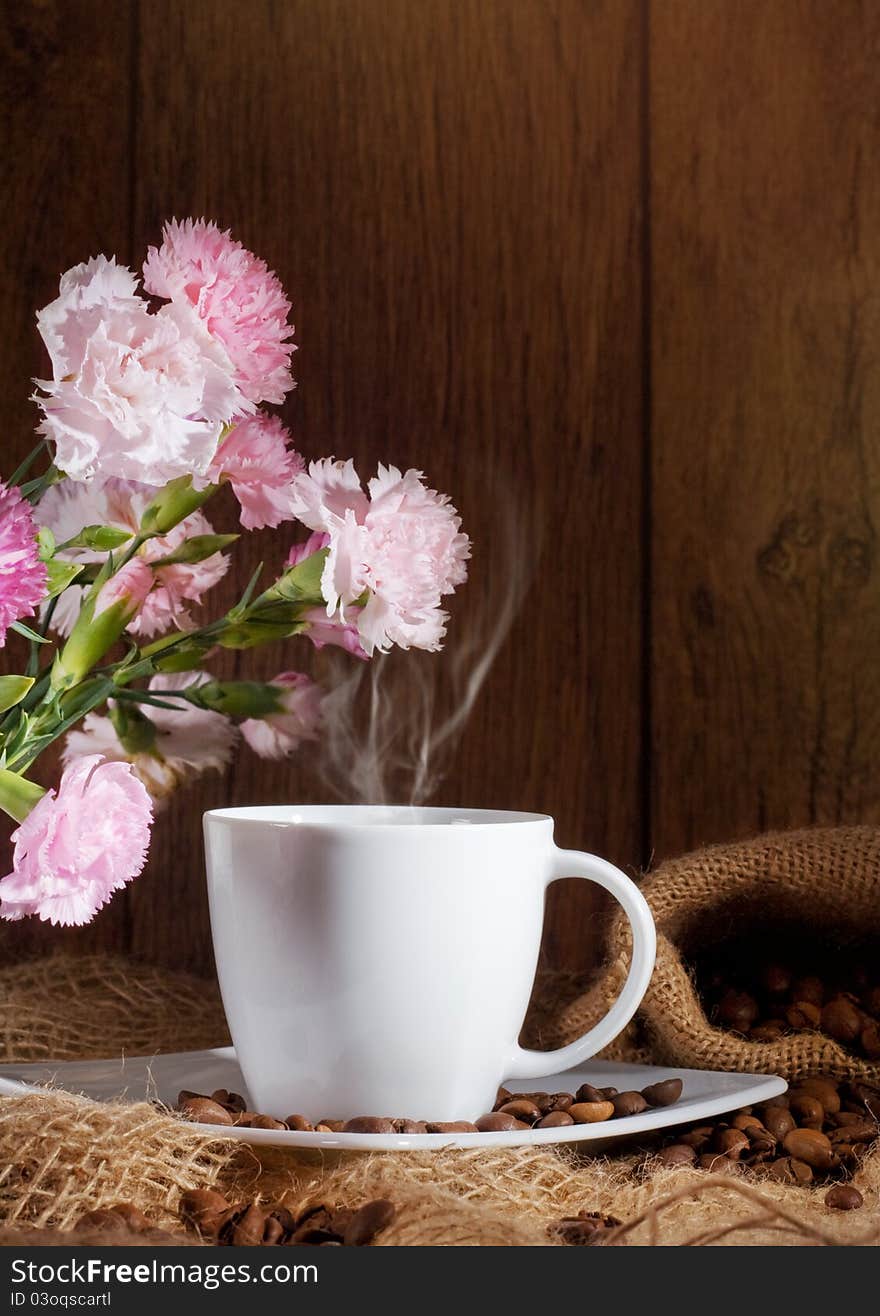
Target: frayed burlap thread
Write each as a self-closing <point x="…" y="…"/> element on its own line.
<point x="826" y="879"/>
<point x="62" y="1155"/>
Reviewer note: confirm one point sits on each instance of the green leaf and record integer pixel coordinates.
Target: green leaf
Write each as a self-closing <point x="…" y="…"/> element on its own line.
<point x="20" y="629"/>
<point x="242" y="604"/>
<point x="60" y="575"/>
<point x="13" y="689"/>
<point x="196" y="549"/>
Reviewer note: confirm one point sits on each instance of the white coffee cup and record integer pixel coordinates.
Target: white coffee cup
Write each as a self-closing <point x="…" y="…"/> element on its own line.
<point x="379" y="960"/>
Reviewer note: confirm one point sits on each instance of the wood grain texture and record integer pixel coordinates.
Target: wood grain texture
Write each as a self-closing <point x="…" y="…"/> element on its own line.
<point x="450" y="191"/>
<point x="65" y="178"/>
<point x="765" y="216"/>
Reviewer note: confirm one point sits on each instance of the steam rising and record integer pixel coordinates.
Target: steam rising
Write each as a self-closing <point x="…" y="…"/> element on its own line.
<point x="391" y="724"/>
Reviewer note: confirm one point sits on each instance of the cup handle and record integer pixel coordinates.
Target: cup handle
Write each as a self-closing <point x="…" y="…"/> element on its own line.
<point x="574" y="863"/>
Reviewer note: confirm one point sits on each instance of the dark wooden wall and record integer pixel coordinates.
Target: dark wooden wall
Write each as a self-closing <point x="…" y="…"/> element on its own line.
<point x="608" y="268"/>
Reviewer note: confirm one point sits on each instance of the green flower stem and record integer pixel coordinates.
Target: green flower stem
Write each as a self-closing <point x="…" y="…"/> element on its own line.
<point x="18" y="795"/>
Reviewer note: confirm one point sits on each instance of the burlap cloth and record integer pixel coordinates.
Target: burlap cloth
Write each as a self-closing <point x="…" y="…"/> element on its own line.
<point x="61" y="1155"/>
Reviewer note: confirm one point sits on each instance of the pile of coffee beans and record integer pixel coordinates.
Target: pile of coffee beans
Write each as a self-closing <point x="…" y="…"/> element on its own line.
<point x="512" y="1111"/>
<point x="250" y="1223"/>
<point x="816" y="1133"/>
<point x="762" y="997"/>
<point x="587" y="1228"/>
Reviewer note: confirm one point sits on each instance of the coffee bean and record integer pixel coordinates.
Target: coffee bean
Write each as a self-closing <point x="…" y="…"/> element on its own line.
<point x="298" y="1123"/>
<point x="731" y="1143"/>
<point x="591" y="1112"/>
<point x="521" y="1109"/>
<point x="366" y="1223"/>
<point x="628" y="1103"/>
<point x="586" y="1229"/>
<point x="843" y="1197"/>
<point x="337" y="1126"/>
<point x="678" y="1153"/>
<point x="453" y="1126"/>
<point x="858" y="1130"/>
<point x="780" y="1100"/>
<point x="810" y="988"/>
<point x="367" y="1124"/>
<point x="496" y="1122"/>
<point x="232" y="1101"/>
<point x="776" y="980"/>
<point x="502" y="1097"/>
<point x="807" y="1111"/>
<point x="870" y="1040"/>
<point x="410" y="1126"/>
<point x="248" y="1229"/>
<point x="586" y="1092"/>
<point x="737" y="1010"/>
<point x="314" y="1226"/>
<point x="823" y="1089"/>
<point x="204" y="1111"/>
<point x="787" y="1169"/>
<point x="203" y="1208"/>
<point x="267" y="1122"/>
<point x="554" y="1119"/>
<point x="559" y="1101"/>
<point x="718" y="1163"/>
<point x="778" y="1121"/>
<point x="133" y="1217"/>
<point x="285" y="1218"/>
<point x="543" y="1100"/>
<point x="607" y="1093"/>
<point x="841" y="1020"/>
<point x="100" y="1219"/>
<point x="804" y="1015"/>
<point x="812" y="1146"/>
<point x="771" y="1031"/>
<point x="664" y="1093"/>
<point x="697" y="1137"/>
<point x="273" y="1231"/>
<point x="747" y="1124"/>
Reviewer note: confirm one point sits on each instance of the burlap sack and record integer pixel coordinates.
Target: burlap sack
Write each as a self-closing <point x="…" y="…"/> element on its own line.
<point x="824" y="879"/>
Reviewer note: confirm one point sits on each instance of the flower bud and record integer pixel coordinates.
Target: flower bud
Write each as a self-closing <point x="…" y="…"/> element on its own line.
<point x="103" y="618"/>
<point x="174" y="504"/>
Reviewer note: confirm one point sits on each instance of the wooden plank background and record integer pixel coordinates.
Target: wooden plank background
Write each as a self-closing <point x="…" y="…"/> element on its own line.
<point x="605" y="269"/>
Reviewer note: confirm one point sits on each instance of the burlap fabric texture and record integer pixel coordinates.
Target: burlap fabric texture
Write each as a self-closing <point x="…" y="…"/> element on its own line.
<point x="825" y="880"/>
<point x="62" y="1155"/>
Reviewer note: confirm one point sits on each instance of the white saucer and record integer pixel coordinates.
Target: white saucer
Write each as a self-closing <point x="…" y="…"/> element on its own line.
<point x="706" y="1093"/>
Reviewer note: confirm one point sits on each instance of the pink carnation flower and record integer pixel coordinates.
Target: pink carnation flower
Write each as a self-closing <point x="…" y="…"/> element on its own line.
<point x="129" y="586"/>
<point x="260" y="465"/>
<point x="400" y="542"/>
<point x="77" y="847"/>
<point x="189" y="740"/>
<point x="22" y="574"/>
<point x="277" y="735"/>
<point x="236" y="296"/>
<point x="66" y="508"/>
<point x="324" y="630"/>
<point x="137" y="395"/>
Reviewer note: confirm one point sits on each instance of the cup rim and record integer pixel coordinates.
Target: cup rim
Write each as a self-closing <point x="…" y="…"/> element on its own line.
<point x="339" y="816"/>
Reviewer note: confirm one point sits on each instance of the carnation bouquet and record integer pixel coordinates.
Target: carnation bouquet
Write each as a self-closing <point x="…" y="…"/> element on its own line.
<point x="107" y="552"/>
